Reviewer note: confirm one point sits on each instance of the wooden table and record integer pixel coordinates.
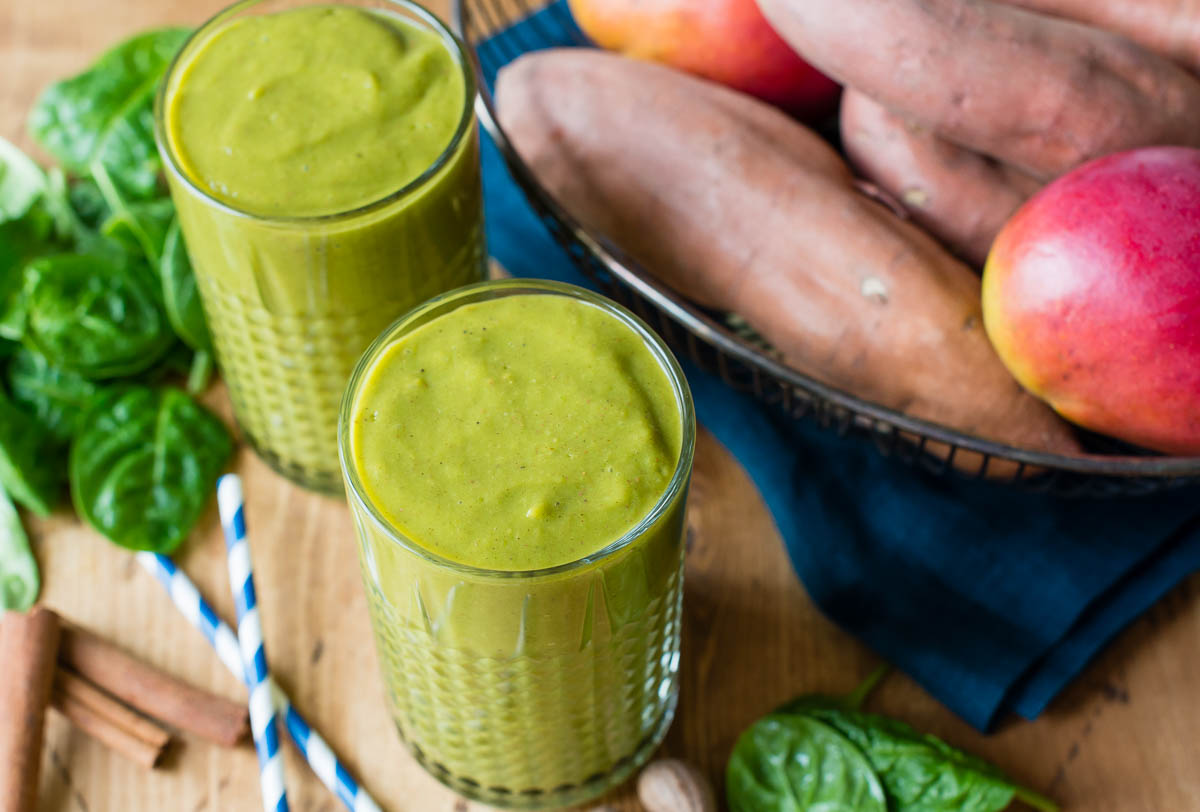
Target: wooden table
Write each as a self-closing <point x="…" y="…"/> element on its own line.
<point x="1122" y="738"/>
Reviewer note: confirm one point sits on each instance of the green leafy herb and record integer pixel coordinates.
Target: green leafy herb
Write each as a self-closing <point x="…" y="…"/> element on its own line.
<point x="76" y="208"/>
<point x="104" y="117"/>
<point x="921" y="773"/>
<point x="794" y="763"/>
<point x="29" y="472"/>
<point x="20" y="242"/>
<point x="182" y="299"/>
<point x="88" y="202"/>
<point x="171" y="368"/>
<point x="94" y="314"/>
<point x="141" y="225"/>
<point x="201" y="372"/>
<point x="180" y="366"/>
<point x="56" y="200"/>
<point x="143" y="465"/>
<point x="55" y="397"/>
<point x="19" y="578"/>
<point x="21" y="182"/>
<point x="95" y="283"/>
<point x="918" y="773"/>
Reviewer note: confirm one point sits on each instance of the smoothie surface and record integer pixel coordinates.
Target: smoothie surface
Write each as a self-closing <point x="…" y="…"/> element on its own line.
<point x="517" y="433"/>
<point x="315" y="110"/>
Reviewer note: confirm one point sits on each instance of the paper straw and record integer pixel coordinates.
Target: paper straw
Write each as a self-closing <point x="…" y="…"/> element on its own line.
<point x="199" y="613"/>
<point x="264" y="723"/>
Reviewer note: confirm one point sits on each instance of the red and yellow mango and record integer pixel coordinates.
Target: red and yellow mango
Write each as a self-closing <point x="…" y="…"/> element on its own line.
<point x="1091" y="297"/>
<point x="727" y="41"/>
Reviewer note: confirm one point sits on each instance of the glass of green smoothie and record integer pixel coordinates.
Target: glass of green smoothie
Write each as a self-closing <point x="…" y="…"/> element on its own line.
<point x="517" y="456"/>
<point x="324" y="161"/>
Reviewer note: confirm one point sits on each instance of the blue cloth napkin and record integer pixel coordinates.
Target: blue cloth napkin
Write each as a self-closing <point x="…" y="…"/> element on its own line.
<point x="992" y="598"/>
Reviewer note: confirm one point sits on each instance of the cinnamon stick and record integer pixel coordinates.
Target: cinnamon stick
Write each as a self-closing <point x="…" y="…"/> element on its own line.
<point x="28" y="645"/>
<point x="105" y="719"/>
<point x="155" y="693"/>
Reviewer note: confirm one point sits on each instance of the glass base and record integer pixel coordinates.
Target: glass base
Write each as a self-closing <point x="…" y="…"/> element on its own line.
<point x="556" y="797"/>
<point x="329" y="483"/>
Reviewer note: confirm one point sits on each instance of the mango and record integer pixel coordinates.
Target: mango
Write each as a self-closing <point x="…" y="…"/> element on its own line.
<point x="727" y="41"/>
<point x="1091" y="297"/>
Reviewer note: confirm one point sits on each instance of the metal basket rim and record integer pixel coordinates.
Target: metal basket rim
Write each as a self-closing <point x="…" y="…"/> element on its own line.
<point x="703" y="327"/>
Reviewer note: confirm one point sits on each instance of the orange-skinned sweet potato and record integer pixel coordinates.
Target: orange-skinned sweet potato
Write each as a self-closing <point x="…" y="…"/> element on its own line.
<point x="1041" y="93"/>
<point x="959" y="196"/>
<point x="1167" y="27"/>
<point x="741" y="208"/>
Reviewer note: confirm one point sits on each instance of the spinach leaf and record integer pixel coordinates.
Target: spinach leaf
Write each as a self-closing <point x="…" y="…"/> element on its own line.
<point x="54" y="397"/>
<point x="94" y="313"/>
<point x="29" y="462"/>
<point x="104" y="117"/>
<point x="792" y="763"/>
<point x="56" y="200"/>
<point x="88" y="203"/>
<point x="171" y="368"/>
<point x="20" y="241"/>
<point x="921" y="773"/>
<point x="193" y="369"/>
<point x="21" y="182"/>
<point x="141" y="225"/>
<point x="144" y="464"/>
<point x="19" y="578"/>
<point x="200" y="373"/>
<point x="182" y="299"/>
<point x="77" y="208"/>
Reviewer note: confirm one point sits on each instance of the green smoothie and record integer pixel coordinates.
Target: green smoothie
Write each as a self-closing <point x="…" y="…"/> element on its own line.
<point x="518" y="466"/>
<point x="324" y="162"/>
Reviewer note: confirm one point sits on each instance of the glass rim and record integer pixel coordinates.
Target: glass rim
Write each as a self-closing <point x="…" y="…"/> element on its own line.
<point x="674" y="489"/>
<point x="171" y="163"/>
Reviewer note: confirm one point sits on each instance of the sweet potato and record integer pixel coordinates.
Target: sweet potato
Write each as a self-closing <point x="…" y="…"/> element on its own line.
<point x="1037" y="92"/>
<point x="961" y="197"/>
<point x="741" y="208"/>
<point x="1167" y="27"/>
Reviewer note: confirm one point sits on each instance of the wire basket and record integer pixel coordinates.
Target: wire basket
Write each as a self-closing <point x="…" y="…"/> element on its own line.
<point x="720" y="344"/>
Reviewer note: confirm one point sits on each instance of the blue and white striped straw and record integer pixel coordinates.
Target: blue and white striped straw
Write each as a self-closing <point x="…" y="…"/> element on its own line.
<point x="199" y="613"/>
<point x="264" y="723"/>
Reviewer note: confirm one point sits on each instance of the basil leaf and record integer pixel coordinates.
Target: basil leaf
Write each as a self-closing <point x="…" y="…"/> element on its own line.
<point x="54" y="397"/>
<point x="29" y="469"/>
<point x="144" y="464"/>
<point x="21" y="182"/>
<point x="104" y="117"/>
<point x="921" y="773"/>
<point x="790" y="763"/>
<point x="94" y="313"/>
<point x="182" y="299"/>
<point x="19" y="578"/>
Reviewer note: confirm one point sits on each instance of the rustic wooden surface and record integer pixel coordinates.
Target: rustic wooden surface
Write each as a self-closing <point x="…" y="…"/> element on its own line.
<point x="1123" y="738"/>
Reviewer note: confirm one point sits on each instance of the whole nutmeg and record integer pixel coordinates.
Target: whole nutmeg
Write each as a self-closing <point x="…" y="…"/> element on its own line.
<point x="671" y="785"/>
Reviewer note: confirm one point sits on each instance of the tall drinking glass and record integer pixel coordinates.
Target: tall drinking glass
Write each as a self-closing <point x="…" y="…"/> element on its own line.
<point x="295" y="280"/>
<point x="523" y="688"/>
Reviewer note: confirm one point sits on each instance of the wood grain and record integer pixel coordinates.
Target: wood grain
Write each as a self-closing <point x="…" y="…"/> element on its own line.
<point x="1120" y="740"/>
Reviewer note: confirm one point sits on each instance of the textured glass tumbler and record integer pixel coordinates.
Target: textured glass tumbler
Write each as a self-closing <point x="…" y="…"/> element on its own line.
<point x="292" y="302"/>
<point x="532" y="689"/>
